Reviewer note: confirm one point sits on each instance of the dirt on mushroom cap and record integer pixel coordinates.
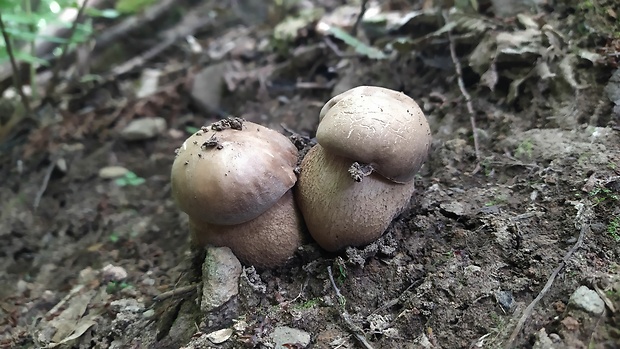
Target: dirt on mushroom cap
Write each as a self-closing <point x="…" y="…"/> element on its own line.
<point x="235" y="179"/>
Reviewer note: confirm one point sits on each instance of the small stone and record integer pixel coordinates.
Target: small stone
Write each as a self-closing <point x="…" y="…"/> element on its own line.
<point x="126" y="305"/>
<point x="220" y="275"/>
<point x="220" y="336"/>
<point x="148" y="314"/>
<point x="588" y="300"/>
<point x="285" y="337"/>
<point x="113" y="273"/>
<point x="453" y="208"/>
<point x="543" y="341"/>
<point x="110" y="172"/>
<point x="23" y="286"/>
<point x="471" y="270"/>
<point x="505" y="299"/>
<point x="144" y="128"/>
<point x="208" y="87"/>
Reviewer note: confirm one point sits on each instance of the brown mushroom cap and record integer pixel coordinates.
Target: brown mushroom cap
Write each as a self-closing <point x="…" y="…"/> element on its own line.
<point x="264" y="242"/>
<point x="379" y="127"/>
<point x="340" y="212"/>
<point x="232" y="176"/>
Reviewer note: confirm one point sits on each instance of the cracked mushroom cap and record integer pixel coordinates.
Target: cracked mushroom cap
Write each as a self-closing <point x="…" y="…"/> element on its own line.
<point x="378" y="127"/>
<point x="233" y="174"/>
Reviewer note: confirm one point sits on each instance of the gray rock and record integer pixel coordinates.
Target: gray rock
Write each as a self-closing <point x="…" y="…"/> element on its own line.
<point x="144" y="128"/>
<point x="543" y="341"/>
<point x="587" y="300"/>
<point x="220" y="275"/>
<point x="208" y="87"/>
<point x="286" y="335"/>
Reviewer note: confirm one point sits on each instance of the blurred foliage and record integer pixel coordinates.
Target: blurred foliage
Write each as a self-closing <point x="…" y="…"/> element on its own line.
<point x="133" y="6"/>
<point x="25" y="23"/>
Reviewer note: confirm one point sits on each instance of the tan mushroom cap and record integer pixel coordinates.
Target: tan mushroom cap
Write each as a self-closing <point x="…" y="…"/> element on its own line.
<point x="264" y="242"/>
<point x="236" y="177"/>
<point x="379" y="127"/>
<point x="340" y="212"/>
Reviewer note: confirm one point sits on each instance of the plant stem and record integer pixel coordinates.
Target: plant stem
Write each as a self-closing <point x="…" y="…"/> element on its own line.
<point x="16" y="73"/>
<point x="65" y="47"/>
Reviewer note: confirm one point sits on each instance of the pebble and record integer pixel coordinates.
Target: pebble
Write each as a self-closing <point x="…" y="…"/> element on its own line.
<point x="220" y="336"/>
<point x="110" y="172"/>
<point x="220" y="276"/>
<point x="113" y="273"/>
<point x="285" y="337"/>
<point x="143" y="128"/>
<point x="208" y="87"/>
<point x="588" y="300"/>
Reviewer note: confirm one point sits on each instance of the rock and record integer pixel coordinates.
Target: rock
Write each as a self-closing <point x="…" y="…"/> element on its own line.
<point x="505" y="299"/>
<point x="110" y="172"/>
<point x="208" y="87"/>
<point x="587" y="300"/>
<point x="284" y="335"/>
<point x="113" y="273"/>
<point x="453" y="209"/>
<point x="144" y="128"/>
<point x="220" y="275"/>
<point x="543" y="341"/>
<point x="220" y="336"/>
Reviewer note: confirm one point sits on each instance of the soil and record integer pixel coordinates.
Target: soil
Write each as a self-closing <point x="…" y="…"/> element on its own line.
<point x="478" y="243"/>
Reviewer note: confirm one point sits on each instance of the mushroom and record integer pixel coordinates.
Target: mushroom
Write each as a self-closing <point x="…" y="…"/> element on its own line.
<point x="234" y="181"/>
<point x="371" y="143"/>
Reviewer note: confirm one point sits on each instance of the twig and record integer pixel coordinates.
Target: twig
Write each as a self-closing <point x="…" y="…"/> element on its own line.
<point x="16" y="73"/>
<point x="468" y="103"/>
<point x="65" y="48"/>
<point x="357" y="332"/>
<point x="528" y="311"/>
<point x="46" y="180"/>
<point x="359" y="18"/>
<point x="190" y="24"/>
<point x="175" y="293"/>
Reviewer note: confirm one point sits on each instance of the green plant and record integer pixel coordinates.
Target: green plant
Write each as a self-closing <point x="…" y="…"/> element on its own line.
<point x="524" y="149"/>
<point x="613" y="228"/>
<point x="24" y="23"/>
<point x="602" y="194"/>
<point x="129" y="178"/>
<point x="308" y="304"/>
<point x="116" y="286"/>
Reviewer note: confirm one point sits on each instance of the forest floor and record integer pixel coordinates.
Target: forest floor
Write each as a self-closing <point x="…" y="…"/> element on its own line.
<point x="516" y="243"/>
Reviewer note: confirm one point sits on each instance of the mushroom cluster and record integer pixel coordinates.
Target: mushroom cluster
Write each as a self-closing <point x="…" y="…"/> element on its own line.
<point x="371" y="143"/>
<point x="234" y="181"/>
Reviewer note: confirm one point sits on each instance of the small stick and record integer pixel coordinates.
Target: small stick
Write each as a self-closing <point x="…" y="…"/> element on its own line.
<point x="468" y="103"/>
<point x="530" y="308"/>
<point x="175" y="293"/>
<point x="357" y="332"/>
<point x="359" y="18"/>
<point x="46" y="180"/>
<point x="16" y="72"/>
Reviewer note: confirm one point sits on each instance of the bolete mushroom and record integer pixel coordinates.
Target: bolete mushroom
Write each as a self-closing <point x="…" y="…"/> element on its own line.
<point x="360" y="175"/>
<point x="234" y="181"/>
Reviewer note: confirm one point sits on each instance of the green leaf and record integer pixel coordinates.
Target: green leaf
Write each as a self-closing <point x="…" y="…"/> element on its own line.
<point x="28" y="58"/>
<point x="360" y="47"/>
<point x="28" y="36"/>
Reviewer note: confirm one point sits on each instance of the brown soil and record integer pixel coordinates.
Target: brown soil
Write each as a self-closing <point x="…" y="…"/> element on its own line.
<point x="456" y="270"/>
